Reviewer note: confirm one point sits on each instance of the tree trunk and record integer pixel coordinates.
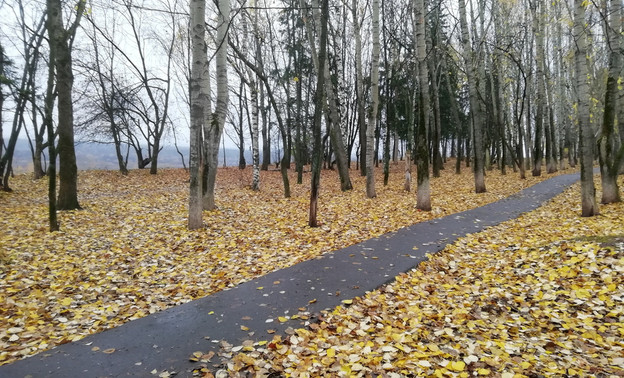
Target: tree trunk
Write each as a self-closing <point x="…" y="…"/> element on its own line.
<point x="610" y="157"/>
<point x="359" y="87"/>
<point x="199" y="99"/>
<point x="266" y="147"/>
<point x="48" y="115"/>
<point x="217" y="120"/>
<point x="389" y="117"/>
<point x="319" y="101"/>
<point x="255" y="110"/>
<point x="3" y="73"/>
<point x="61" y="42"/>
<point x="541" y="91"/>
<point x="332" y="117"/>
<point x="475" y="102"/>
<point x="423" y="194"/>
<point x="436" y="158"/>
<point x="156" y="151"/>
<point x="407" y="185"/>
<point x="372" y="121"/>
<point x="432" y="63"/>
<point x="586" y="139"/>
<point x="255" y="182"/>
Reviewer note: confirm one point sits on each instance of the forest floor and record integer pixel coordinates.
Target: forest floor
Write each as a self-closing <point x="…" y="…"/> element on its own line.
<point x="128" y="252"/>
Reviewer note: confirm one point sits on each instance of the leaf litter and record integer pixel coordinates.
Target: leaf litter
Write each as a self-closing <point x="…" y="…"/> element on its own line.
<point x="540" y="295"/>
<point x="128" y="253"/>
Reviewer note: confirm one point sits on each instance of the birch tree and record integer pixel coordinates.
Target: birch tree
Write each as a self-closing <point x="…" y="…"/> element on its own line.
<point x="255" y="133"/>
<point x="372" y="120"/>
<point x="359" y="85"/>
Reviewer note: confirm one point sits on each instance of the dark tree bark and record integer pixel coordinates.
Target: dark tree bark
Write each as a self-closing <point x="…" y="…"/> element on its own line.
<point x="319" y="101"/>
<point x="610" y="155"/>
<point x="476" y="109"/>
<point x="423" y="193"/>
<point x="541" y="90"/>
<point x="586" y="138"/>
<point x="61" y="41"/>
<point x="47" y="120"/>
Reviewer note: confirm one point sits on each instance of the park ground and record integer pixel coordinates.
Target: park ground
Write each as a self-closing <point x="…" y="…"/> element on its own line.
<point x="538" y="296"/>
<point x="128" y="254"/>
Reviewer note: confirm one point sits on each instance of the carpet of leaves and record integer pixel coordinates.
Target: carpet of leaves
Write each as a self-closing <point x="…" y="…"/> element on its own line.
<point x="128" y="253"/>
<point x="540" y="295"/>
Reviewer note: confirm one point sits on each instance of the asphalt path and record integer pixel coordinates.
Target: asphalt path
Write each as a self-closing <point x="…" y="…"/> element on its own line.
<point x="164" y="341"/>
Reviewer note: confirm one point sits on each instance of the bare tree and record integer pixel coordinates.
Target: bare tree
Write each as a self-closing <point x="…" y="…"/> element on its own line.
<point x="423" y="193"/>
<point x="23" y="92"/>
<point x="359" y="85"/>
<point x="319" y="101"/>
<point x="586" y="135"/>
<point x="476" y="108"/>
<point x="199" y="101"/>
<point x="610" y="155"/>
<point x="106" y="104"/>
<point x="372" y="120"/>
<point x="213" y="128"/>
<point x="537" y="10"/>
<point x="61" y="45"/>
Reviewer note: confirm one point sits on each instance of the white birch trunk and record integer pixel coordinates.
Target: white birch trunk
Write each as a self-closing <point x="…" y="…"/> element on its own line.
<point x="372" y="121"/>
<point x="255" y="133"/>
<point x="359" y="86"/>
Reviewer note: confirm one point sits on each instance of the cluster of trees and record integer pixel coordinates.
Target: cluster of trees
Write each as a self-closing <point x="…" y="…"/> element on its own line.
<point x="524" y="84"/>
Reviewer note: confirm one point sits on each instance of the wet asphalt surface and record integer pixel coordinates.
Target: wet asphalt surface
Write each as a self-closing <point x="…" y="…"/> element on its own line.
<point x="164" y="341"/>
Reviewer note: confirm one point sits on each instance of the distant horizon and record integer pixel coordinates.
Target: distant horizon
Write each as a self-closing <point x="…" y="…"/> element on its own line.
<point x="94" y="156"/>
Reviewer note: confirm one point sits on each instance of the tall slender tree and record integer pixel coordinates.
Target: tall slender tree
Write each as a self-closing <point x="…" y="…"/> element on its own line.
<point x="359" y="85"/>
<point x="476" y="108"/>
<point x="538" y="31"/>
<point x="61" y="46"/>
<point x="610" y="155"/>
<point x="49" y="100"/>
<point x="423" y="193"/>
<point x="372" y="120"/>
<point x="199" y="101"/>
<point x="586" y="135"/>
<point x="213" y="128"/>
<point x="332" y="112"/>
<point x="319" y="101"/>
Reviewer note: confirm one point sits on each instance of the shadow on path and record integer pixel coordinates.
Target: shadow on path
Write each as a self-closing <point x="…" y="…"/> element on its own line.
<point x="164" y="341"/>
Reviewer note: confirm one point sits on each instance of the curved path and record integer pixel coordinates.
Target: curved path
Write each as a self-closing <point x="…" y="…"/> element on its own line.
<point x="164" y="341"/>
